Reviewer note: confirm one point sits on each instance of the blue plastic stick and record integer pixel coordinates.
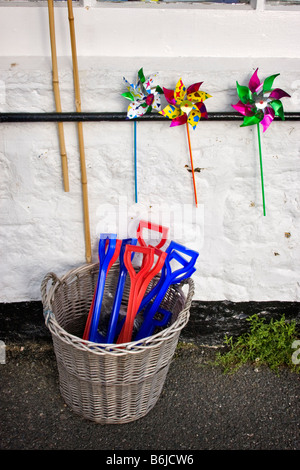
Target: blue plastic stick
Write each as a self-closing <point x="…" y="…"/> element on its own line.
<point x="105" y="256"/>
<point x="112" y="327"/>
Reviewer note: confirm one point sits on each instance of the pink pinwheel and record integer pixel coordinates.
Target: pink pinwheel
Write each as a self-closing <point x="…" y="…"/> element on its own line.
<point x="186" y="107"/>
<point x="260" y="103"/>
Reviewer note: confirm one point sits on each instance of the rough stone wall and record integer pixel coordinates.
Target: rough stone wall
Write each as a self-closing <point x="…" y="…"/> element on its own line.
<point x="243" y="255"/>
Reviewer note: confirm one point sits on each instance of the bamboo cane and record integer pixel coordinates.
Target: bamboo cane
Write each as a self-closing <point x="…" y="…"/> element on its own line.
<point x="63" y="153"/>
<point x="80" y="134"/>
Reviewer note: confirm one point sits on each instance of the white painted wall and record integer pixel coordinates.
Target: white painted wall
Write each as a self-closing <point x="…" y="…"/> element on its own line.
<point x="243" y="255"/>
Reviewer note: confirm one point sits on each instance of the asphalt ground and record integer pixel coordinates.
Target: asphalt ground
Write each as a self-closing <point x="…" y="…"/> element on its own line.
<point x="200" y="409"/>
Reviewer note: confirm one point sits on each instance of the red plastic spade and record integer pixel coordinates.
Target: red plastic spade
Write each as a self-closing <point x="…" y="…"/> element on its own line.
<point x="139" y="283"/>
<point x="154" y="227"/>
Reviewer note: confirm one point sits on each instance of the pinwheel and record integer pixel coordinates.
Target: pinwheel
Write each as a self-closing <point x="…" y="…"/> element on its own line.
<point x="186" y="107"/>
<point x="259" y="104"/>
<point x="144" y="97"/>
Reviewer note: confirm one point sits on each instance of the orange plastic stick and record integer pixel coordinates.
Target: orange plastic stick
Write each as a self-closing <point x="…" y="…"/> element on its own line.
<point x="192" y="165"/>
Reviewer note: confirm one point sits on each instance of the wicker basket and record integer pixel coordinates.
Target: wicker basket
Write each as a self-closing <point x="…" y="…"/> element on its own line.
<point x="101" y="382"/>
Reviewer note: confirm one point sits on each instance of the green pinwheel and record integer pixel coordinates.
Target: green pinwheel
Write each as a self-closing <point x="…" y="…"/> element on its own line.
<point x="259" y="104"/>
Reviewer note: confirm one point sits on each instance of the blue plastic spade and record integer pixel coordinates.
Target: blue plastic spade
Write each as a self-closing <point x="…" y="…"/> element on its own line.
<point x="108" y="252"/>
<point x="168" y="277"/>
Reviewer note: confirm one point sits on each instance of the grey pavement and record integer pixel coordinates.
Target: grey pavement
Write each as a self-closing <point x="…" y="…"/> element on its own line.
<point x="200" y="408"/>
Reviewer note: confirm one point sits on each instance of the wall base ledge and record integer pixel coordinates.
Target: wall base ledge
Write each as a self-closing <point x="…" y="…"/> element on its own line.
<point x="209" y="322"/>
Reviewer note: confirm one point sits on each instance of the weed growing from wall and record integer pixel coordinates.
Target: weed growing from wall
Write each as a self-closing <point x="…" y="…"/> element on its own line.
<point x="264" y="344"/>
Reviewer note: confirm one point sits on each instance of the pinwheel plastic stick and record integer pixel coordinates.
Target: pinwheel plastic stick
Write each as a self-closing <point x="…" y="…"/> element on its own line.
<point x="186" y="107"/>
<point x="259" y="104"/>
<point x="192" y="164"/>
<point x="144" y="97"/>
<point x="135" y="164"/>
<point x="261" y="171"/>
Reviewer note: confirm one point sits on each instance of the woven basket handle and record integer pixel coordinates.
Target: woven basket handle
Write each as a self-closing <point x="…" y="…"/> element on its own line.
<point x="45" y="292"/>
<point x="189" y="281"/>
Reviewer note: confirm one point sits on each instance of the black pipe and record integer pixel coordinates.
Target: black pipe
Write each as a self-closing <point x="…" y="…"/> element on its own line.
<point x="94" y="117"/>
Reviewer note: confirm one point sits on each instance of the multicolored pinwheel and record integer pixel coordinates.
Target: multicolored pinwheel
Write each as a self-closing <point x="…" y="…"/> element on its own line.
<point x="186" y="107"/>
<point x="259" y="104"/>
<point x="144" y="97"/>
<point x="185" y="104"/>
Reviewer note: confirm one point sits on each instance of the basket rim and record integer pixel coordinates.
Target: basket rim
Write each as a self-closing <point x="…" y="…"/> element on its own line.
<point x="111" y="348"/>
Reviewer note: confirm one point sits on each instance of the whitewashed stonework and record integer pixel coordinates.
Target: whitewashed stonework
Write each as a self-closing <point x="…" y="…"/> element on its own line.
<point x="242" y="254"/>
